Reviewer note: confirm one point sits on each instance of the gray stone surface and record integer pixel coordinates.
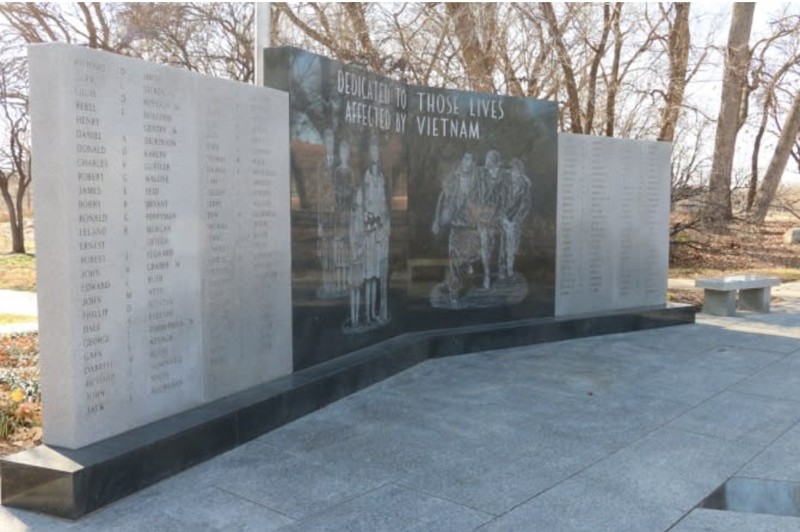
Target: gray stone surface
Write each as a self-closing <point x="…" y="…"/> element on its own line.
<point x="394" y="508"/>
<point x="621" y="432"/>
<point x="159" y="219"/>
<point x="780" y="380"/>
<point x="719" y="302"/>
<point x="613" y="223"/>
<point x="298" y="487"/>
<point x="737" y="282"/>
<point x="646" y="486"/>
<point x="736" y="416"/>
<point x="702" y="520"/>
<point x="779" y="460"/>
<point x="756" y="299"/>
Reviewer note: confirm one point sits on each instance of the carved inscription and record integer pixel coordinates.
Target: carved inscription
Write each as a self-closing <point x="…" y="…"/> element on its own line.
<point x="162" y="191"/>
<point x="92" y="205"/>
<point x="613" y="215"/>
<point x="161" y="138"/>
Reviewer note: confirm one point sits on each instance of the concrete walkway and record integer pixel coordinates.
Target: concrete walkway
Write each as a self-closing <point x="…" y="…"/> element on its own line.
<point x="627" y="432"/>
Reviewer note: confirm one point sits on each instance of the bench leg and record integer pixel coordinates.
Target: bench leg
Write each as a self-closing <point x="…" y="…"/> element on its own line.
<point x="719" y="302"/>
<point x="756" y="299"/>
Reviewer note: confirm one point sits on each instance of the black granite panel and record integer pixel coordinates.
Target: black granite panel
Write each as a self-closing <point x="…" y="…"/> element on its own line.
<point x="482" y="208"/>
<point x="348" y="196"/>
<point x="412" y="208"/>
<point x="71" y="483"/>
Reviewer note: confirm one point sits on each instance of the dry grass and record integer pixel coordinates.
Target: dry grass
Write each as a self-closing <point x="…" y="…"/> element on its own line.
<point x="8" y="319"/>
<point x="18" y="272"/>
<point x="20" y="395"/>
<point x="742" y="247"/>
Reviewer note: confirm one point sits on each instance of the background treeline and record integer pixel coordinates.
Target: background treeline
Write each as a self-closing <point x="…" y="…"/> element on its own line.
<point x="726" y="92"/>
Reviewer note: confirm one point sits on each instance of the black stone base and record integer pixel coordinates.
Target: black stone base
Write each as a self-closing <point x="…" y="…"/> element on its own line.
<point x="72" y="483"/>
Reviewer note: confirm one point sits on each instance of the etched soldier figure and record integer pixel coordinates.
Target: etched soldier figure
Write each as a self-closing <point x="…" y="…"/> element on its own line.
<point x="342" y="195"/>
<point x="484" y="209"/>
<point x="376" y="239"/>
<point x="489" y="199"/>
<point x="326" y="218"/>
<point x="514" y="211"/>
<point x="357" y="274"/>
<point x="455" y="208"/>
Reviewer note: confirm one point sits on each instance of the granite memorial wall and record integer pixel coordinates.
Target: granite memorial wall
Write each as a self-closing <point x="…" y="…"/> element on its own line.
<point x="217" y="259"/>
<point x="412" y="208"/>
<point x="164" y="202"/>
<point x="613" y="223"/>
<point x="163" y="239"/>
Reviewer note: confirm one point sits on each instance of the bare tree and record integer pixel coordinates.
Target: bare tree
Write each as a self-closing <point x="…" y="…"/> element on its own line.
<point x="679" y="44"/>
<point x="775" y="56"/>
<point x="210" y="38"/>
<point x="718" y="207"/>
<point x="15" y="157"/>
<point x="772" y="178"/>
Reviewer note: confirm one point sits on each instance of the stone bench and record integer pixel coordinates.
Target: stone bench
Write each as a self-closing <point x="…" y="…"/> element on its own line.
<point x="719" y="293"/>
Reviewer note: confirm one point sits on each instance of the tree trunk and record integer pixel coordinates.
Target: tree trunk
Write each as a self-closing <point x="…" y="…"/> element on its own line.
<point x="14" y="221"/>
<point x="573" y="101"/>
<point x="613" y="83"/>
<point x="679" y="39"/>
<point x="599" y="52"/>
<point x="718" y="208"/>
<point x="772" y="178"/>
<point x="477" y="57"/>
<point x="751" y="191"/>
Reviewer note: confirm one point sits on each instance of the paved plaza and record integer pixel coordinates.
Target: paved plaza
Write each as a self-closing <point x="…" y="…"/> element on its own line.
<point x="622" y="432"/>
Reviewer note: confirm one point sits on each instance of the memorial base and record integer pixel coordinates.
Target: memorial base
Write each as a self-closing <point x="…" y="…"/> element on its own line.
<point x="72" y="483"/>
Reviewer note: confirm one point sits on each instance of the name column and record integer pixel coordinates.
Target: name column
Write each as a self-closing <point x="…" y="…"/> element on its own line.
<point x="96" y="279"/>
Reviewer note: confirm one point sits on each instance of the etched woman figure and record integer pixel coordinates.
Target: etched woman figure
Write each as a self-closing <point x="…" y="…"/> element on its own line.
<point x="376" y="239"/>
<point x="356" y="257"/>
<point x="326" y="218"/>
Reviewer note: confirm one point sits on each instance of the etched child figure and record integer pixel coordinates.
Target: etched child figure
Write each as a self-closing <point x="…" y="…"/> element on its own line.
<point x="326" y="217"/>
<point x="357" y="274"/>
<point x="516" y="208"/>
<point x="342" y="193"/>
<point x="376" y="239"/>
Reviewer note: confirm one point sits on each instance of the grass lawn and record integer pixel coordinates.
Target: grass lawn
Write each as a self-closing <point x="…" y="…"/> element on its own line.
<point x="18" y="272"/>
<point x="8" y="319"/>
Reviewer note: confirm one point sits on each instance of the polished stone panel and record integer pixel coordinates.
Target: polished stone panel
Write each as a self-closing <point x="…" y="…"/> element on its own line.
<point x="613" y="223"/>
<point x="348" y="198"/>
<point x="412" y="208"/>
<point x="482" y="208"/>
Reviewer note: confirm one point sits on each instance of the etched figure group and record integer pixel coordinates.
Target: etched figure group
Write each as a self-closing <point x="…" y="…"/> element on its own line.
<point x="353" y="228"/>
<point x="484" y="208"/>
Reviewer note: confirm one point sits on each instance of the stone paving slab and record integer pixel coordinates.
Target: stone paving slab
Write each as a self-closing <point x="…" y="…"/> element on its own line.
<point x="702" y="520"/>
<point x="620" y="432"/>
